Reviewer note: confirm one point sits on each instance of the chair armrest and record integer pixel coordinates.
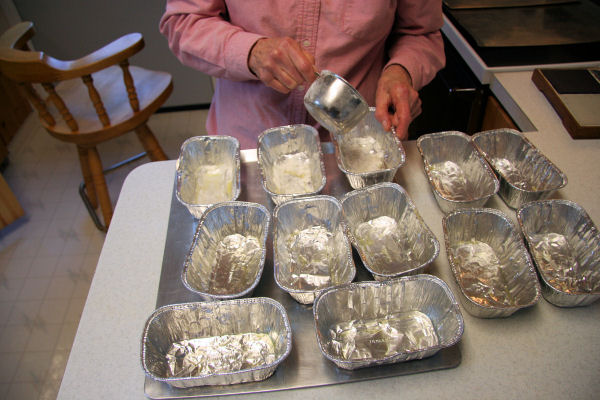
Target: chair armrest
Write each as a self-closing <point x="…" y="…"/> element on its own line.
<point x="35" y="66"/>
<point x="17" y="36"/>
<point x="111" y="54"/>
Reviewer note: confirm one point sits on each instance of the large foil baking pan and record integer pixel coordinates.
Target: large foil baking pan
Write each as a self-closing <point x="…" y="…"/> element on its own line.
<point x="175" y="323"/>
<point x="409" y="244"/>
<point x="305" y="174"/>
<point x="362" y="303"/>
<point x="208" y="172"/>
<point x="367" y="154"/>
<point x="216" y="275"/>
<point x="490" y="263"/>
<point x="458" y="175"/>
<point x="565" y="246"/>
<point x="309" y="234"/>
<point x="525" y="173"/>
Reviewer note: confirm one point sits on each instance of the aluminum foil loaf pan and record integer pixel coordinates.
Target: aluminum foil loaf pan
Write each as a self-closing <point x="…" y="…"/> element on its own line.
<point x="490" y="263"/>
<point x="216" y="343"/>
<point x="208" y="172"/>
<point x="387" y="231"/>
<point x="291" y="162"/>
<point x="565" y="246"/>
<point x="372" y="323"/>
<point x="525" y="173"/>
<point x="311" y="250"/>
<point x="368" y="154"/>
<point x="458" y="175"/>
<point x="227" y="255"/>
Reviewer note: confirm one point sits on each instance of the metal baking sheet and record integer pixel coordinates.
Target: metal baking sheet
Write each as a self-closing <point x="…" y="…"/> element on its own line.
<point x="305" y="366"/>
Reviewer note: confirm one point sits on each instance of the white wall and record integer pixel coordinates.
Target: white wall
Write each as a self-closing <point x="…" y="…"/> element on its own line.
<point x="8" y="15"/>
<point x="69" y="29"/>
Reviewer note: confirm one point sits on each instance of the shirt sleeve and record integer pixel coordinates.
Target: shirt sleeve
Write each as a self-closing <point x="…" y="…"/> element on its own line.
<point x="201" y="37"/>
<point x="416" y="41"/>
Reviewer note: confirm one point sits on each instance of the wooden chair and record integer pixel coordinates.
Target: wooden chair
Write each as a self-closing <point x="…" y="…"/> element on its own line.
<point x="89" y="100"/>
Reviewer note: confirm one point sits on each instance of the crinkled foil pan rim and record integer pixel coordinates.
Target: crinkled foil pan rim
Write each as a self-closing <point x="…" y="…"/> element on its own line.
<point x="192" y="305"/>
<point x="263" y="179"/>
<point x="188" y="258"/>
<point x="480" y="157"/>
<point x="414" y="209"/>
<point x="563" y="177"/>
<point x="379" y="171"/>
<point x="349" y="247"/>
<point x="540" y="272"/>
<point x="206" y="138"/>
<point x="516" y="236"/>
<point x="394" y="281"/>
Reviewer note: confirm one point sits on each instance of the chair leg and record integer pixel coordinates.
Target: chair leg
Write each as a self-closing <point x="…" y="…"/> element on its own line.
<point x="87" y="176"/>
<point x="151" y="145"/>
<point x="99" y="183"/>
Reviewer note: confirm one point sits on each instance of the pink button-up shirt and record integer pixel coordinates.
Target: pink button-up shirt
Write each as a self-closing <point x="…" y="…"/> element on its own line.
<point x="355" y="39"/>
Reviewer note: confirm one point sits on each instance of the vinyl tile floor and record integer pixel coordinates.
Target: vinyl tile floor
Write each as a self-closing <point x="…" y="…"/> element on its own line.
<point x="49" y="256"/>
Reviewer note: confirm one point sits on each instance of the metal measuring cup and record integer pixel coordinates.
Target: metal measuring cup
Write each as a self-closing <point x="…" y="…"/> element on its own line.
<point x="334" y="103"/>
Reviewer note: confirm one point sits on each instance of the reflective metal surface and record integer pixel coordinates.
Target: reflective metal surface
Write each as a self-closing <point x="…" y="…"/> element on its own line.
<point x="310" y="249"/>
<point x="367" y="154"/>
<point x="305" y="366"/>
<point x="558" y="24"/>
<point x="220" y="343"/>
<point x="525" y="173"/>
<point x="208" y="172"/>
<point x="387" y="231"/>
<point x="469" y="4"/>
<point x="373" y="323"/>
<point x="227" y="255"/>
<point x="490" y="263"/>
<point x="458" y="175"/>
<point x="565" y="246"/>
<point x="334" y="103"/>
<point x="291" y="162"/>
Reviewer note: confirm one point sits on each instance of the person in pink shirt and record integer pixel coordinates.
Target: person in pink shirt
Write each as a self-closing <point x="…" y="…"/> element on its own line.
<point x="264" y="54"/>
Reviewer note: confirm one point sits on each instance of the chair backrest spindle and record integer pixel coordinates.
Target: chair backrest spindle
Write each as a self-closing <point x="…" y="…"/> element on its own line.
<point x="37" y="102"/>
<point x="96" y="100"/>
<point x="61" y="106"/>
<point x="131" y="93"/>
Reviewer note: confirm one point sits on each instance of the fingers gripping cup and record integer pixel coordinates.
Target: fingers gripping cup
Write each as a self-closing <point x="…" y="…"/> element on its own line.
<point x="334" y="103"/>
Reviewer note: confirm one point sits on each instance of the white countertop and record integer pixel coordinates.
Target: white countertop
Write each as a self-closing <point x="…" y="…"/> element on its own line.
<point x="540" y="352"/>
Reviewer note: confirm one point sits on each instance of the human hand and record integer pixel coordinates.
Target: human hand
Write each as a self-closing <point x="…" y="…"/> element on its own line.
<point x="281" y="63"/>
<point x="397" y="103"/>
